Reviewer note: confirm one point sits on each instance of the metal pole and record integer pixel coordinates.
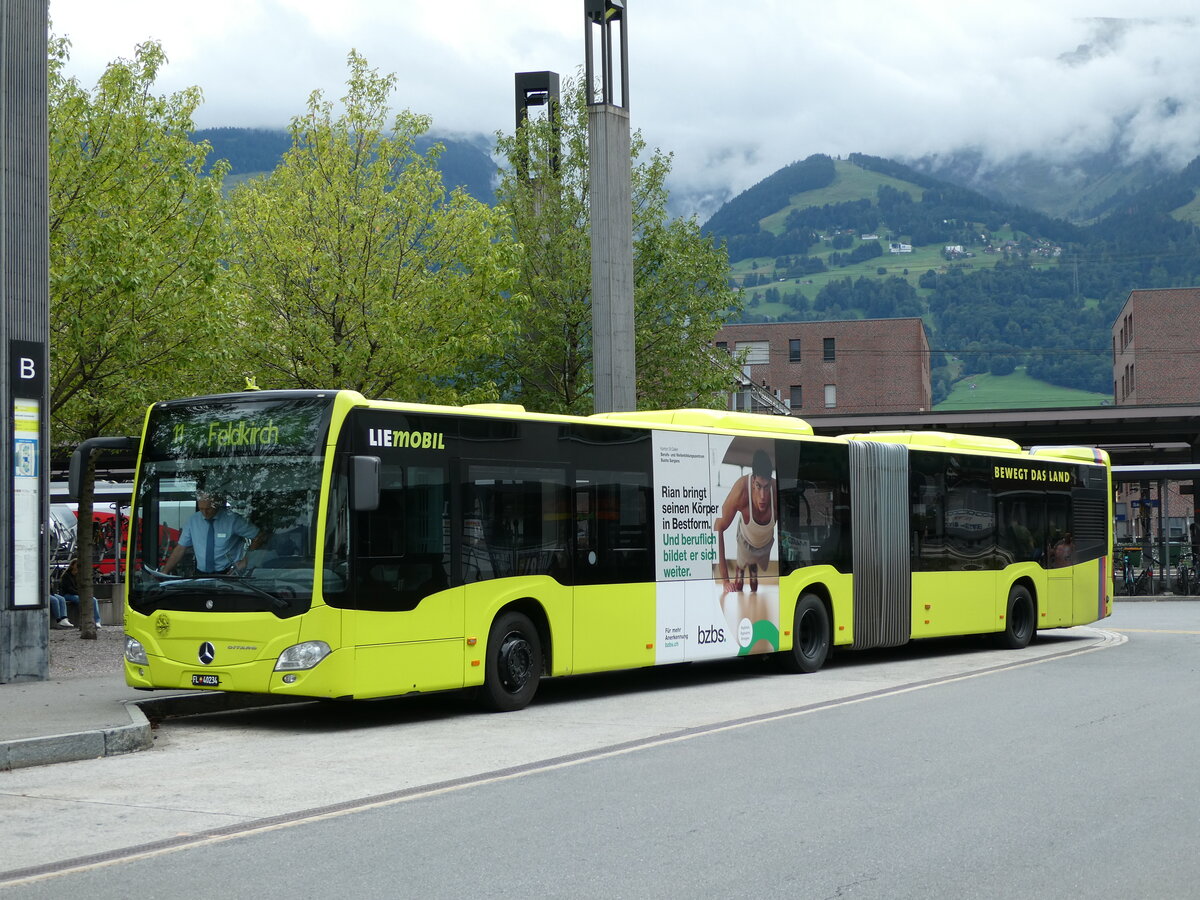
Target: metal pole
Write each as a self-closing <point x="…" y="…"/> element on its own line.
<point x="1164" y="561"/>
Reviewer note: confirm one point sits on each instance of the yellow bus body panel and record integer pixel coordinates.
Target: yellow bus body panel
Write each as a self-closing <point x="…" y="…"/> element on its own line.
<point x="245" y="648"/>
<point x="406" y="651"/>
<point x="485" y="600"/>
<point x="615" y="627"/>
<point x="389" y="670"/>
<point x="946" y="603"/>
<point x="821" y="580"/>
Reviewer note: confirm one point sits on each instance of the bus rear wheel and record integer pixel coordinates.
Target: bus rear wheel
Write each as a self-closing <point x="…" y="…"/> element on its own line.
<point x="810" y="636"/>
<point x="1020" y="620"/>
<point x="514" y="663"/>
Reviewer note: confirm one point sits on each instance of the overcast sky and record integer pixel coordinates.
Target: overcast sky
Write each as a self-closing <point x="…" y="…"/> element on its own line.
<point x="735" y="90"/>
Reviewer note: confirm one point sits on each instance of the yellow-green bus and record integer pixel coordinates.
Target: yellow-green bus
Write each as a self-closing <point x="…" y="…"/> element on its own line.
<point x="320" y="544"/>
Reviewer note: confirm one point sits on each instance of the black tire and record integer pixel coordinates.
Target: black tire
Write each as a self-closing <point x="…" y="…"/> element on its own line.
<point x="810" y="637"/>
<point x="1020" y="620"/>
<point x="514" y="663"/>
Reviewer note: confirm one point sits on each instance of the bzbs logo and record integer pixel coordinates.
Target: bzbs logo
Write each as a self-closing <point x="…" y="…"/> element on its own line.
<point x="712" y="635"/>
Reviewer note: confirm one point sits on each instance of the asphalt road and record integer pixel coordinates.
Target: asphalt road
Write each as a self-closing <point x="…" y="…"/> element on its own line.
<point x="939" y="770"/>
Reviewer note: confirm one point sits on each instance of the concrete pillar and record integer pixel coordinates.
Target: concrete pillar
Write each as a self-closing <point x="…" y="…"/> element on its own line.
<point x="606" y="76"/>
<point x="24" y="286"/>
<point x="613" y="361"/>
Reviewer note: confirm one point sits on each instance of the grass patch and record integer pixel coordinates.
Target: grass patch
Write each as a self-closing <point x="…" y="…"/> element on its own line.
<point x="1015" y="391"/>
<point x="1189" y="212"/>
<point x="850" y="182"/>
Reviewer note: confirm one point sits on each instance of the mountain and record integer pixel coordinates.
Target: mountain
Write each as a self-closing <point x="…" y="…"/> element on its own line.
<point x="465" y="161"/>
<point x="999" y="285"/>
<point x="1081" y="190"/>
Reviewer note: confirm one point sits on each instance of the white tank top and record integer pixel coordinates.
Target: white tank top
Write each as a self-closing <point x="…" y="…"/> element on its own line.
<point x="752" y="533"/>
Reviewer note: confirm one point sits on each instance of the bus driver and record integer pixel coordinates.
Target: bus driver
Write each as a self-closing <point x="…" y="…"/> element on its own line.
<point x="217" y="535"/>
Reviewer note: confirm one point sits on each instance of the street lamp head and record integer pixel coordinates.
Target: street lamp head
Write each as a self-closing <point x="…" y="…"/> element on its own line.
<point x="602" y="11"/>
<point x="608" y="19"/>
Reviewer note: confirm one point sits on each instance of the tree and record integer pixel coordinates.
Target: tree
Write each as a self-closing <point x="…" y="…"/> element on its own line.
<point x="681" y="278"/>
<point x="136" y="240"/>
<point x="357" y="270"/>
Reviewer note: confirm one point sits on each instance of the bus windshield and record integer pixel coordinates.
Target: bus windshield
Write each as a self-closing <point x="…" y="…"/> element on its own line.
<point x="226" y="508"/>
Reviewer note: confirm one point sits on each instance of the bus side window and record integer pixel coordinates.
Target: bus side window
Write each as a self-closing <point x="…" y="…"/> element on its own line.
<point x="814" y="506"/>
<point x="516" y="521"/>
<point x="612" y="527"/>
<point x="402" y="550"/>
<point x="970" y="515"/>
<point x="337" y="537"/>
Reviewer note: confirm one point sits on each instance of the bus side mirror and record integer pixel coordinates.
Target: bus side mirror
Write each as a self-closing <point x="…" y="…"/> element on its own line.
<point x="364" y="485"/>
<point x="83" y="453"/>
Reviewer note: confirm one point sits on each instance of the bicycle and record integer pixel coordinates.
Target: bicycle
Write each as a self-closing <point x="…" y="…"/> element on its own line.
<point x="1145" y="579"/>
<point x="1185" y="581"/>
<point x="1128" y="579"/>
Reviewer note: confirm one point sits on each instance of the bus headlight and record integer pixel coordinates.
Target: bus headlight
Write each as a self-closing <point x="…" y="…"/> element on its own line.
<point x="135" y="652"/>
<point x="302" y="656"/>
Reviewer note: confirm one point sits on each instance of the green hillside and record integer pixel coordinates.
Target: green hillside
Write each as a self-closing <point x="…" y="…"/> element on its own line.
<point x="1015" y="391"/>
<point x="1024" y="299"/>
<point x="1189" y="212"/>
<point x="850" y="182"/>
<point x="787" y="286"/>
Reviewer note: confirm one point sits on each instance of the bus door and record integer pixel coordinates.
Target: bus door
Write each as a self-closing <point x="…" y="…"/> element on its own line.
<point x="1060" y="576"/>
<point x="408" y="619"/>
<point x="615" y="593"/>
<point x="515" y="544"/>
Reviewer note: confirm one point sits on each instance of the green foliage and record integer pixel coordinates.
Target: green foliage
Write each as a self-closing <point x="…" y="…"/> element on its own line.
<point x="681" y="280"/>
<point x="890" y="298"/>
<point x="136" y="237"/>
<point x="354" y="267"/>
<point x="743" y="214"/>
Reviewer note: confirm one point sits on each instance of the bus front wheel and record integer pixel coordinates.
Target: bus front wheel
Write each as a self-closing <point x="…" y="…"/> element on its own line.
<point x="810" y="636"/>
<point x="514" y="663"/>
<point x="1020" y="620"/>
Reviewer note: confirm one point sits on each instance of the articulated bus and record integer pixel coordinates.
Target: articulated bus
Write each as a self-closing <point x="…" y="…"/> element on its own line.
<point x="387" y="548"/>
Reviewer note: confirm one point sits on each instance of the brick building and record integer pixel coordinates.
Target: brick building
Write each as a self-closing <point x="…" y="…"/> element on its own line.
<point x="1156" y="359"/>
<point x="1156" y="347"/>
<point x="853" y="366"/>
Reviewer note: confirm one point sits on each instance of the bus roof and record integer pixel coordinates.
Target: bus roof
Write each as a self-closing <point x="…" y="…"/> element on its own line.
<point x="711" y="418"/>
<point x="940" y="439"/>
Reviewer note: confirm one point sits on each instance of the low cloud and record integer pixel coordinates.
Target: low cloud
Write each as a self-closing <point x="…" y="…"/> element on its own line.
<point x="734" y="91"/>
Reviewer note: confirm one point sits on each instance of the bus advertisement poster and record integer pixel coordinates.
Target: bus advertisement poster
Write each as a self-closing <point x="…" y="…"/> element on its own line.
<point x="717" y="549"/>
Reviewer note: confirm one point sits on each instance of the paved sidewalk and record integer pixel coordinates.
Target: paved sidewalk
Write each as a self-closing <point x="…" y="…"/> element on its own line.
<point x="71" y="718"/>
<point x="85" y="710"/>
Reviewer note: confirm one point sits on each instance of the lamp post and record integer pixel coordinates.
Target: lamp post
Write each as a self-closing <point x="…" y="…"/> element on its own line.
<point x="535" y="89"/>
<point x="610" y="198"/>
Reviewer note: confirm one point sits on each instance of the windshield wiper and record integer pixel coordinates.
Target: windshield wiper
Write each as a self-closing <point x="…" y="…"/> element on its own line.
<point x="175" y="584"/>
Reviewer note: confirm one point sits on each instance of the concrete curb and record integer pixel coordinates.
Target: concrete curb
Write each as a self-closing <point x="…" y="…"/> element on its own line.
<point x="58" y="748"/>
<point x="1155" y="598"/>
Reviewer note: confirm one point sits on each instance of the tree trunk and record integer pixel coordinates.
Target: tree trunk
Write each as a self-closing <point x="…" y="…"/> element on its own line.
<point x="84" y="552"/>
